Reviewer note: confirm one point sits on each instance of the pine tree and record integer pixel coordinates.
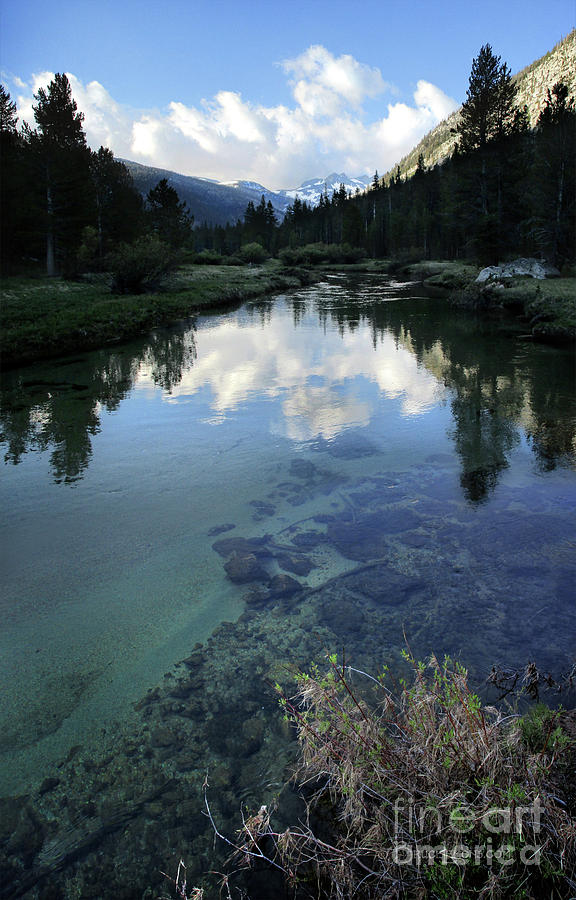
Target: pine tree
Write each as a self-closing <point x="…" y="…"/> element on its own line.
<point x="13" y="183"/>
<point x="489" y="105"/>
<point x="63" y="160"/>
<point x="57" y="115"/>
<point x="559" y="108"/>
<point x="555" y="175"/>
<point x="118" y="203"/>
<point x="8" y="117"/>
<point x="169" y="218"/>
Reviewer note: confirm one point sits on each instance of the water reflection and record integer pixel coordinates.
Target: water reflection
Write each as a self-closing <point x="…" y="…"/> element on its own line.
<point x="501" y="389"/>
<point x="328" y="365"/>
<point x="57" y="407"/>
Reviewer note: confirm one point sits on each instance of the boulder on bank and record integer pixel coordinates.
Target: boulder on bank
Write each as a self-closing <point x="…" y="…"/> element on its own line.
<point x="534" y="268"/>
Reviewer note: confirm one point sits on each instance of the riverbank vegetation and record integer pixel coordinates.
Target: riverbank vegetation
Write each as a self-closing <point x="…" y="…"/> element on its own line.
<point x="42" y="318"/>
<point x="418" y="788"/>
<point x="507" y="190"/>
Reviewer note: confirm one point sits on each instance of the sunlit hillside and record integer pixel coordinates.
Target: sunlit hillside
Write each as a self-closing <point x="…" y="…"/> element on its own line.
<point x="533" y="82"/>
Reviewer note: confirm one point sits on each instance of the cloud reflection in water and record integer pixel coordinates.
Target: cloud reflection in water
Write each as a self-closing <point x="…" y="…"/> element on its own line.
<point x="323" y="386"/>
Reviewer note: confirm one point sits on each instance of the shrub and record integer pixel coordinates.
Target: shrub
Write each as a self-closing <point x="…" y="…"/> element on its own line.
<point x="253" y="253"/>
<point x="316" y="254"/>
<point x="87" y="257"/>
<point x="208" y="258"/>
<point x="423" y="791"/>
<point x="142" y="266"/>
<point x="351" y="254"/>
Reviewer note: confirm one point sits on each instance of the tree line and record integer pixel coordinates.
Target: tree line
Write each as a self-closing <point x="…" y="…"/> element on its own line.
<point x="507" y="189"/>
<point x="65" y="206"/>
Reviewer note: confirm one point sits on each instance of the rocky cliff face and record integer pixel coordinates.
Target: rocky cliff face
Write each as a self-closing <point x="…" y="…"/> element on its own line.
<point x="532" y="82"/>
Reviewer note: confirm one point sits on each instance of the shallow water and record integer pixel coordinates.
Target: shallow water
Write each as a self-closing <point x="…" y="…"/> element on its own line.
<point x="412" y="468"/>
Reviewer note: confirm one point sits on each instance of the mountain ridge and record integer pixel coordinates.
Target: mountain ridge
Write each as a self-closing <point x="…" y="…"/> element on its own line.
<point x="222" y="202"/>
<point x="532" y="82"/>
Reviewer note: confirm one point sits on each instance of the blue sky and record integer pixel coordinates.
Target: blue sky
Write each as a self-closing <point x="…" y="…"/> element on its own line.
<point x="266" y="91"/>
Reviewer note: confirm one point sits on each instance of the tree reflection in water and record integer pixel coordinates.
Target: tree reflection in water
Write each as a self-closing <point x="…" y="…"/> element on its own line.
<point x="500" y="389"/>
<point x="62" y="414"/>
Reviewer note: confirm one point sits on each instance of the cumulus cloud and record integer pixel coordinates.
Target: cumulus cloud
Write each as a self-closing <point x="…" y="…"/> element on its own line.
<point x="325" y="129"/>
<point x="323" y="84"/>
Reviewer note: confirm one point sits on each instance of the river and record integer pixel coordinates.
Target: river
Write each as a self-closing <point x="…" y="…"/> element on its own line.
<point x="410" y="466"/>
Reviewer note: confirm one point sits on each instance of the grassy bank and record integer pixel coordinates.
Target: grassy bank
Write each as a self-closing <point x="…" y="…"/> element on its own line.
<point x="547" y="307"/>
<point x="42" y="318"/>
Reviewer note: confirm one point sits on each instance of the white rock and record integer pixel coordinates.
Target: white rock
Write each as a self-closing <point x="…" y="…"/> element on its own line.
<point x="535" y="268"/>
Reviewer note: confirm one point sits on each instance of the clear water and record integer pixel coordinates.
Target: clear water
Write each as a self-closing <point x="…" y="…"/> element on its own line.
<point x="389" y="426"/>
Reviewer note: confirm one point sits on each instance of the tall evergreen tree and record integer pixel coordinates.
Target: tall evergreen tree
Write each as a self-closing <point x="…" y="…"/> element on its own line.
<point x="555" y="179"/>
<point x="8" y="116"/>
<point x="12" y="182"/>
<point x="57" y="116"/>
<point x="170" y="219"/>
<point x="489" y="105"/>
<point x="118" y="203"/>
<point x="63" y="160"/>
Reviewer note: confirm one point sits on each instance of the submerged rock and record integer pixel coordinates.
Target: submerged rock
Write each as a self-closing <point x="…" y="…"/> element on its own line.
<point x="262" y="508"/>
<point x="298" y="565"/>
<point x="284" y="586"/>
<point x="242" y="568"/>
<point x="302" y="468"/>
<point x="350" y="445"/>
<point x="49" y="784"/>
<point x="342" y="616"/>
<point x="415" y="539"/>
<point x="365" y="538"/>
<point x="227" y="546"/>
<point x="257" y="598"/>
<point x="252" y="736"/>
<point x="307" y="540"/>
<point x="195" y="660"/>
<point x="220" y="529"/>
<point x="381" y="584"/>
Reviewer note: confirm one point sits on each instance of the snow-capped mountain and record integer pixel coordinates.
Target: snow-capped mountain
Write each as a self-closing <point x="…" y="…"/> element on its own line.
<point x="254" y="191"/>
<point x="311" y="191"/>
<point x="219" y="202"/>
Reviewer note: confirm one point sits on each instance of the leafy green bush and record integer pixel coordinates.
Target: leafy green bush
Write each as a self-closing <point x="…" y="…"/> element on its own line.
<point x="208" y="258"/>
<point x="253" y="253"/>
<point x="316" y="254"/>
<point x="142" y="266"/>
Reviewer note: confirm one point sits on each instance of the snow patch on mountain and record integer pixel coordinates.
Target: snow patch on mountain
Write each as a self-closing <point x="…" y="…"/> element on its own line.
<point x="311" y="190"/>
<point x="219" y="202"/>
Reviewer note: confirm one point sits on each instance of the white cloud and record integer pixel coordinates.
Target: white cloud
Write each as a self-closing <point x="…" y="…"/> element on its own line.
<point x="144" y="137"/>
<point x="342" y="78"/>
<point x="430" y="98"/>
<point x="326" y="129"/>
